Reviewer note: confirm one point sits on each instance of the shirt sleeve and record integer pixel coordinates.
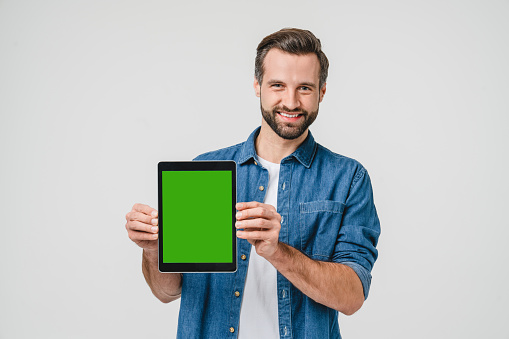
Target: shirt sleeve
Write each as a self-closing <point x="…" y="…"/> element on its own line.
<point x="359" y="232"/>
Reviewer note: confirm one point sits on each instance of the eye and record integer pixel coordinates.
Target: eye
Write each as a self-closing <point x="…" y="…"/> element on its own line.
<point x="305" y="88"/>
<point x="276" y="85"/>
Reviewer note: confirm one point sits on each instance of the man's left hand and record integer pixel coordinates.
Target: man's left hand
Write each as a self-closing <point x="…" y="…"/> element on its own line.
<point x="261" y="225"/>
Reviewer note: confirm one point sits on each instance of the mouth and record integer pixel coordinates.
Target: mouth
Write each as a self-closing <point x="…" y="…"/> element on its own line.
<point x="289" y="117"/>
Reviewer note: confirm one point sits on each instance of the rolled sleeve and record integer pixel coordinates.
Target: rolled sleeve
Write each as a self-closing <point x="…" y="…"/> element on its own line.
<point x="363" y="274"/>
<point x="360" y="230"/>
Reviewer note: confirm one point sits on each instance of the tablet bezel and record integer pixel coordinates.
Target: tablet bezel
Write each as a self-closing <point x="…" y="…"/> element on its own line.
<point x="226" y="165"/>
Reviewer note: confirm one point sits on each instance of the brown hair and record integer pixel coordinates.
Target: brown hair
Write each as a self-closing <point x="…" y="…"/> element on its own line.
<point x="294" y="41"/>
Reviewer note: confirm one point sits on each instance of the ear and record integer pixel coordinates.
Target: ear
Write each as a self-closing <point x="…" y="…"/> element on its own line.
<point x="322" y="91"/>
<point x="257" y="88"/>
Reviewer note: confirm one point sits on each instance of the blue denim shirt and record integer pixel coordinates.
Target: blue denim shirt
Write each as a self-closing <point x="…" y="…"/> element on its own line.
<point x="327" y="212"/>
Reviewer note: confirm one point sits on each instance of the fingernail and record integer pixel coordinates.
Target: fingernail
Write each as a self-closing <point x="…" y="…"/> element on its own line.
<point x="239" y="214"/>
<point x="154" y="213"/>
<point x="154" y="229"/>
<point x="154" y="221"/>
<point x="238" y="224"/>
<point x="154" y="236"/>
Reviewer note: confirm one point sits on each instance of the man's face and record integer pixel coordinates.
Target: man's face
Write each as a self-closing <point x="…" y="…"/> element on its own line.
<point x="289" y="93"/>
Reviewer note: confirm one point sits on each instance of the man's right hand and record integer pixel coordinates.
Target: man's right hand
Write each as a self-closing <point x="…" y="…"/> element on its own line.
<point x="142" y="227"/>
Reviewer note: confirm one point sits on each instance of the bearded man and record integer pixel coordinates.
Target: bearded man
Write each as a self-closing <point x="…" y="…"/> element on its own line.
<point x="307" y="226"/>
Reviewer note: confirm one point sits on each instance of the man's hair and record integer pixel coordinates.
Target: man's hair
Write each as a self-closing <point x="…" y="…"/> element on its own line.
<point x="293" y="41"/>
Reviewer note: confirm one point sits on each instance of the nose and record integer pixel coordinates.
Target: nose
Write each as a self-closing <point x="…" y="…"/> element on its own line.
<point x="291" y="100"/>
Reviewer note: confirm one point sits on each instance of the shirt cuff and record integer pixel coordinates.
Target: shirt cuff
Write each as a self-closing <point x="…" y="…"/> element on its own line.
<point x="363" y="275"/>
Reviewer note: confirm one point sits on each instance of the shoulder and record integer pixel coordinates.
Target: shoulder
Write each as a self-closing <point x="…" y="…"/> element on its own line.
<point x="334" y="162"/>
<point x="227" y="153"/>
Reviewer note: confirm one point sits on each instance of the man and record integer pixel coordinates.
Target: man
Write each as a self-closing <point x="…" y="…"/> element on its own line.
<point x="307" y="224"/>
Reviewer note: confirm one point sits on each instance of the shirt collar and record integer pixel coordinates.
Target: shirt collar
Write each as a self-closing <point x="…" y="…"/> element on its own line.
<point x="304" y="154"/>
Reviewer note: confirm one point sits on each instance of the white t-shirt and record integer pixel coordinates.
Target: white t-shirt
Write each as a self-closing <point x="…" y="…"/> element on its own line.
<point x="259" y="311"/>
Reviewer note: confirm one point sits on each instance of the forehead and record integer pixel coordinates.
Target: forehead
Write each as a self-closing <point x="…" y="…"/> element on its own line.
<point x="279" y="65"/>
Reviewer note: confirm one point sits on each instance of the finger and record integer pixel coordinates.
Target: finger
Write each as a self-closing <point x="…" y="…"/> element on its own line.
<point x="141" y="236"/>
<point x="141" y="227"/>
<point x="244" y="205"/>
<point x="257" y="212"/>
<point x="252" y="235"/>
<point x="145" y="209"/>
<point x="253" y="204"/>
<point x="142" y="217"/>
<point x="253" y="212"/>
<point x="255" y="224"/>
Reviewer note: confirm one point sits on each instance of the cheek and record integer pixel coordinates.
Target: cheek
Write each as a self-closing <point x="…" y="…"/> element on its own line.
<point x="268" y="101"/>
<point x="311" y="103"/>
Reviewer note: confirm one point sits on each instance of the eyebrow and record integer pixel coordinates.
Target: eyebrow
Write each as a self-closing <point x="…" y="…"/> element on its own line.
<point x="308" y="84"/>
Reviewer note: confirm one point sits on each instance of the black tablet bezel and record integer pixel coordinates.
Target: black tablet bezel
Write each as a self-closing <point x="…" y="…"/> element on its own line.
<point x="197" y="166"/>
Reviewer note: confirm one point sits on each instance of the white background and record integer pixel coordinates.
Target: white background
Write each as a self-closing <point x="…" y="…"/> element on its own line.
<point x="94" y="93"/>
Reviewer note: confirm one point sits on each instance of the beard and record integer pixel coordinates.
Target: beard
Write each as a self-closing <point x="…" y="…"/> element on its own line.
<point x="288" y="130"/>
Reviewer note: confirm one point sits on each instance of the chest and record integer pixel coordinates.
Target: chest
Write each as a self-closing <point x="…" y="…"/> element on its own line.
<point x="310" y="201"/>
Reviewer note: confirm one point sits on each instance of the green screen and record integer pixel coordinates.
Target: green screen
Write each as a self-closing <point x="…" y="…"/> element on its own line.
<point x="197" y="216"/>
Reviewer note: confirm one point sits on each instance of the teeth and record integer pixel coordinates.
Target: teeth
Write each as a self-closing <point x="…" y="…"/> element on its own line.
<point x="289" y="115"/>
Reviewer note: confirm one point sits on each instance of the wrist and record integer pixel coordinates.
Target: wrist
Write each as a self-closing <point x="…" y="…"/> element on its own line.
<point x="278" y="254"/>
<point x="150" y="255"/>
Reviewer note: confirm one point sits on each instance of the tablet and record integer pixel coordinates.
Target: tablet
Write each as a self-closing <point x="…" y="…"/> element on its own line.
<point x="197" y="216"/>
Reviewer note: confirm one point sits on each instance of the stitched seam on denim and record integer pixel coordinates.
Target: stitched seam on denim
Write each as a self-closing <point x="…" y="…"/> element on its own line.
<point x="331" y="206"/>
<point x="336" y="155"/>
<point x="290" y="303"/>
<point x="357" y="177"/>
<point x="314" y="211"/>
<point x="310" y="158"/>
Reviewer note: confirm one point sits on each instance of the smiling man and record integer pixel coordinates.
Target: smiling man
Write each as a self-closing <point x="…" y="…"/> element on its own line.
<point x="307" y="223"/>
<point x="291" y="92"/>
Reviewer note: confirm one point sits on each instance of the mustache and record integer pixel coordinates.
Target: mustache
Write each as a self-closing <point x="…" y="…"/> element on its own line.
<point x="286" y="109"/>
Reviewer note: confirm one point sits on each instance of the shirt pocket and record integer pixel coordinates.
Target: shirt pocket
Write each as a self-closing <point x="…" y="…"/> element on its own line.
<point x="319" y="227"/>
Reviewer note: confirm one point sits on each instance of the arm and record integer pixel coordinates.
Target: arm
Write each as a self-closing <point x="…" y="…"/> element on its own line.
<point x="332" y="284"/>
<point x="165" y="286"/>
<point x="142" y="228"/>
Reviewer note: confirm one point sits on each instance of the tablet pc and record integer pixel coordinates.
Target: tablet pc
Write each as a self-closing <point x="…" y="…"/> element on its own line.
<point x="197" y="216"/>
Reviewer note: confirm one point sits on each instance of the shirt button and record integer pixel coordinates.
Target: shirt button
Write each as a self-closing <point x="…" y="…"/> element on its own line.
<point x="282" y="219"/>
<point x="256" y="163"/>
<point x="237" y="293"/>
<point x="243" y="257"/>
<point x="232" y="329"/>
<point x="261" y="188"/>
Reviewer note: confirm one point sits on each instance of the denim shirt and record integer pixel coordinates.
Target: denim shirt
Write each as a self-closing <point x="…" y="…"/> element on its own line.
<point x="327" y="212"/>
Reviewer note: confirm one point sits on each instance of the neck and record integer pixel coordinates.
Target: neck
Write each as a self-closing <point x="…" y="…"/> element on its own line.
<point x="272" y="147"/>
